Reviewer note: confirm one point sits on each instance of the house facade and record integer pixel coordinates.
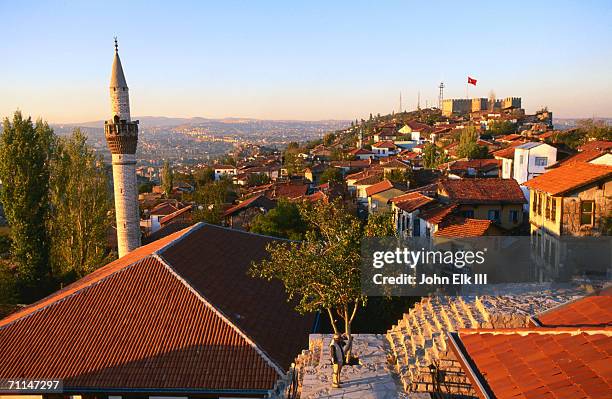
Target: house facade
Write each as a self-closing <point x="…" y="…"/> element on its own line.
<point x="531" y="160"/>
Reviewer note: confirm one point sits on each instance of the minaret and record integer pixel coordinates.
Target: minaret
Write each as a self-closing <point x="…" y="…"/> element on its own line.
<point x="122" y="138"/>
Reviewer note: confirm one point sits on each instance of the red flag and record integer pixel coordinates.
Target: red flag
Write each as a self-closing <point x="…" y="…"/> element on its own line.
<point x="471" y="81"/>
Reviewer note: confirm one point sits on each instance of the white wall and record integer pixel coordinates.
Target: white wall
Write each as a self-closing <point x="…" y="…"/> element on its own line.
<point x="525" y="167"/>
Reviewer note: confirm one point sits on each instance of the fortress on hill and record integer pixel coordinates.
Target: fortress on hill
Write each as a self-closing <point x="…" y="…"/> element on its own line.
<point x="462" y="106"/>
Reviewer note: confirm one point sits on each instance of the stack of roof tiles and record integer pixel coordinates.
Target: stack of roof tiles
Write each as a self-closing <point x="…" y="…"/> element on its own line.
<point x="180" y="313"/>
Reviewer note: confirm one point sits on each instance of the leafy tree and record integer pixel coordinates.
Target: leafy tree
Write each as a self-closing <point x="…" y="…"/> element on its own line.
<point x="25" y="153"/>
<point x="380" y="225"/>
<point x="284" y="221"/>
<point x="257" y="179"/>
<point x="468" y="145"/>
<point x="328" y="139"/>
<point x="401" y="176"/>
<point x="433" y="156"/>
<point x="595" y="129"/>
<point x="146" y="187"/>
<point x="331" y="175"/>
<point x="210" y="199"/>
<point x="322" y="271"/>
<point x="167" y="178"/>
<point x="80" y="208"/>
<point x="502" y="128"/>
<point x="204" y="176"/>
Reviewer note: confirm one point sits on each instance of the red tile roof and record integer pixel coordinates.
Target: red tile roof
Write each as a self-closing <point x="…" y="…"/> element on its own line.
<point x="379" y="187"/>
<point x="593" y="310"/>
<point x="411" y="201"/>
<point x="369" y="180"/>
<point x="384" y="144"/>
<point x="360" y="151"/>
<point x="569" y="177"/>
<point x="600" y="145"/>
<point x="259" y="200"/>
<point x="437" y="212"/>
<point x="537" y="363"/>
<point x="481" y="165"/>
<point x="289" y="190"/>
<point x="395" y="164"/>
<point x="463" y="227"/>
<point x="178" y="313"/>
<point x="482" y="191"/>
<point x="175" y="215"/>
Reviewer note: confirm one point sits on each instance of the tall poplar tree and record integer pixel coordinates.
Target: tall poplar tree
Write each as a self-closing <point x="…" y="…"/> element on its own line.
<point x="25" y="154"/>
<point x="80" y="205"/>
<point x="167" y="179"/>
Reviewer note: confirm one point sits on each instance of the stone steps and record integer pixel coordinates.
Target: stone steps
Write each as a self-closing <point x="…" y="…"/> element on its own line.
<point x="419" y="338"/>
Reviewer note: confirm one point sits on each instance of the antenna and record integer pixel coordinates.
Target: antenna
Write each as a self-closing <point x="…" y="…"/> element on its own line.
<point x="441" y="95"/>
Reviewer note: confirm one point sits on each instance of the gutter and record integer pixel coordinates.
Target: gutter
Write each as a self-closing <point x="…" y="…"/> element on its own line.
<point x="474" y="376"/>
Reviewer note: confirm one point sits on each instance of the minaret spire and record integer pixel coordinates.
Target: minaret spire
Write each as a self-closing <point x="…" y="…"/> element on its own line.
<point x="122" y="138"/>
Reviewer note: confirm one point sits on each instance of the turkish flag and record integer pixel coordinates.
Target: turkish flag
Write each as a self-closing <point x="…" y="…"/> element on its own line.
<point x="471" y="81"/>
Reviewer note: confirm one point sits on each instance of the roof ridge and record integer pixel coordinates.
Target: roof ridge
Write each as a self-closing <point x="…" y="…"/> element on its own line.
<point x="219" y="313"/>
<point x="523" y="331"/>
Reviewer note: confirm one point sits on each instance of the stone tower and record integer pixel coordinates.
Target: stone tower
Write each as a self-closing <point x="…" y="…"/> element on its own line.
<point x="122" y="137"/>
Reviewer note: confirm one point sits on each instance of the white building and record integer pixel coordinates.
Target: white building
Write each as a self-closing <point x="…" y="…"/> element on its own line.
<point x="224" y="170"/>
<point x="531" y="160"/>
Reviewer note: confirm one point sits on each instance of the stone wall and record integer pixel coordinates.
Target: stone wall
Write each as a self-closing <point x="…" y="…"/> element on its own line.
<point x="120" y="102"/>
<point x="571" y="210"/>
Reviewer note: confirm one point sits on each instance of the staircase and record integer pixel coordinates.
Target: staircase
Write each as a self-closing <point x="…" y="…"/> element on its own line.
<point x="418" y="340"/>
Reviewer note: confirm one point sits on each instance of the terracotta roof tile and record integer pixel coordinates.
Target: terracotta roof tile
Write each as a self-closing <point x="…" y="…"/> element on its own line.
<point x="379" y="187"/>
<point x="463" y="227"/>
<point x="384" y="144"/>
<point x="435" y="213"/>
<point x="256" y="200"/>
<point x="593" y="310"/>
<point x="540" y="363"/>
<point x="178" y="313"/>
<point x="482" y="191"/>
<point x="569" y="177"/>
<point x="411" y="201"/>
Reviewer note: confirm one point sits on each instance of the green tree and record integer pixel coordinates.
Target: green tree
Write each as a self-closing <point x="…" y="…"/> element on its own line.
<point x="146" y="187"/>
<point x="167" y="178"/>
<point x="80" y="208"/>
<point x="284" y="221"/>
<point x="322" y="271"/>
<point x="401" y="176"/>
<point x="595" y="129"/>
<point x="25" y="153"/>
<point x="331" y="175"/>
<point x="433" y="156"/>
<point x="257" y="179"/>
<point x="468" y="145"/>
<point x="204" y="176"/>
<point x="502" y="128"/>
<point x="328" y="139"/>
<point x="209" y="201"/>
<point x="380" y="225"/>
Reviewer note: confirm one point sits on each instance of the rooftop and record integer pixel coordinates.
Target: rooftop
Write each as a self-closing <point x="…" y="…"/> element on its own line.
<point x="463" y="227"/>
<point x="163" y="316"/>
<point x="482" y="191"/>
<point x="569" y="177"/>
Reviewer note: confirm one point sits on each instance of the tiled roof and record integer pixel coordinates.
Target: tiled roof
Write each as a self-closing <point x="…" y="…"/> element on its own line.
<point x="369" y="180"/>
<point x="384" y="144"/>
<point x="569" y="177"/>
<point x="166" y="208"/>
<point x="379" y="187"/>
<point x="395" y="164"/>
<point x="600" y="145"/>
<point x="589" y="152"/>
<point x="259" y="200"/>
<point x="482" y="165"/>
<point x="411" y="201"/>
<point x="538" y="363"/>
<point x="483" y="191"/>
<point x="351" y="164"/>
<point x="463" y="227"/>
<point x="224" y="167"/>
<point x="437" y="212"/>
<point x="178" y="313"/>
<point x="593" y="310"/>
<point x="360" y="151"/>
<point x="175" y="215"/>
<point x="510" y="137"/>
<point x="289" y="190"/>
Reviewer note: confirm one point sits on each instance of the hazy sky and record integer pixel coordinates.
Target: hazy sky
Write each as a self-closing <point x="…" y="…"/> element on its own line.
<point x="295" y="59"/>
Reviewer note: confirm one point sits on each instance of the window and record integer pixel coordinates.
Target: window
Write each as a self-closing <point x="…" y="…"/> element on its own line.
<point x="547" y="207"/>
<point x="493" y="214"/>
<point x="586" y="212"/>
<point x="539" y="204"/>
<point x="468" y="214"/>
<point x="541" y="161"/>
<point x="553" y="209"/>
<point x="513" y="216"/>
<point x="521" y="159"/>
<point x="416" y="227"/>
<point x="535" y="202"/>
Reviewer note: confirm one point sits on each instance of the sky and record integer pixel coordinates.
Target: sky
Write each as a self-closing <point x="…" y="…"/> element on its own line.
<point x="307" y="60"/>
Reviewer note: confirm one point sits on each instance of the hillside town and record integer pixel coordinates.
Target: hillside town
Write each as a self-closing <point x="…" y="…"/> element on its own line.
<point x="201" y="292"/>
